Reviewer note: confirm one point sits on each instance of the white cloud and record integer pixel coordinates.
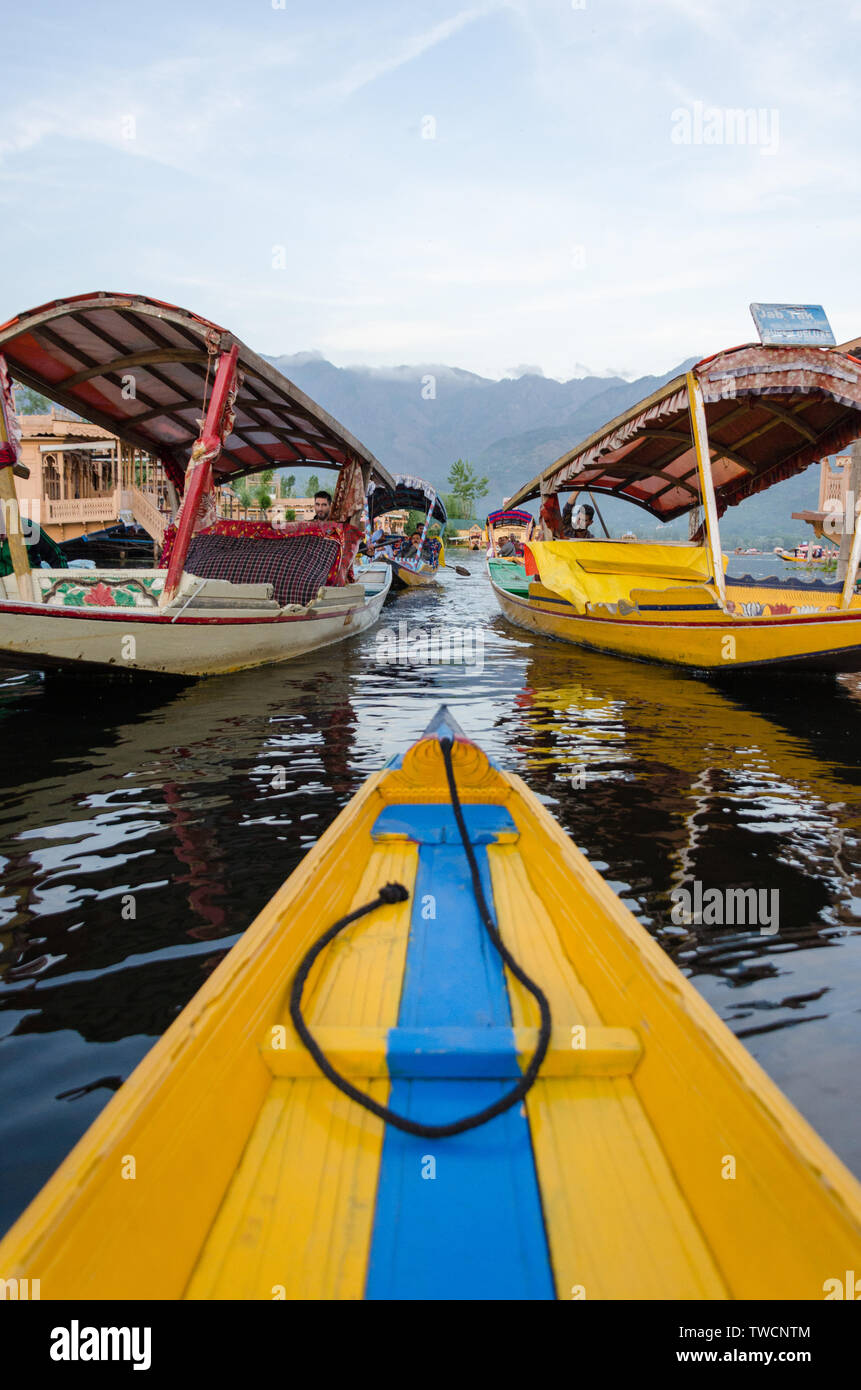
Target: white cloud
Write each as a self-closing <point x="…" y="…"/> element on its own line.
<point x="369" y="70"/>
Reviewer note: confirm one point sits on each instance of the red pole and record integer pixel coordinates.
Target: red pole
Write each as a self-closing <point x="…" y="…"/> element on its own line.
<point x="204" y="453"/>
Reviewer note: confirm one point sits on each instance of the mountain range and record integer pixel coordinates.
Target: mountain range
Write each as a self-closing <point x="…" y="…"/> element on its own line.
<point x="419" y="419"/>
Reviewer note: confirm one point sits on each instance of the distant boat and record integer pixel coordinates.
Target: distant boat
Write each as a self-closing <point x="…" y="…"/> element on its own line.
<point x="115" y="545"/>
<point x="508" y="523"/>
<point x="802" y="556"/>
<point x="420" y="570"/>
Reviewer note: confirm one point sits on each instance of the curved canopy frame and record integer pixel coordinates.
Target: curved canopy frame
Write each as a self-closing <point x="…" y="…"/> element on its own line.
<point x="406" y="493"/>
<point x="770" y="413"/>
<point x="142" y="369"/>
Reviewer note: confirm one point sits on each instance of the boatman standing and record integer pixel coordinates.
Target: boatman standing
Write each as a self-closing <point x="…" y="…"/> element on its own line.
<point x="583" y="518"/>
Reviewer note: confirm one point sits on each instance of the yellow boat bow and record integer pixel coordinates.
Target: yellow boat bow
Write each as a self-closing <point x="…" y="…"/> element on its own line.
<point x="652" y="1158"/>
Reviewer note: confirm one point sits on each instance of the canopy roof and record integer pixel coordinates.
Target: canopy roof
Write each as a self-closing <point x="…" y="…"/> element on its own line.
<point x="405" y="493"/>
<point x="86" y="351"/>
<point x="509" y="516"/>
<point x="770" y="412"/>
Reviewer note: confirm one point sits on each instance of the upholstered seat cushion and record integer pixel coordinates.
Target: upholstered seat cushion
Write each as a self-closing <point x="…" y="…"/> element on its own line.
<point x="296" y="566"/>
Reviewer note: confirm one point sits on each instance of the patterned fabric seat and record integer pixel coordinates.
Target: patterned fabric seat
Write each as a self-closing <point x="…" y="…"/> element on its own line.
<point x="296" y="566"/>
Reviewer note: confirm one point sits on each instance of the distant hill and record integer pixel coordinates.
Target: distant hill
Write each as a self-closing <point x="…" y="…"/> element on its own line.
<point x="512" y="460"/>
<point x="509" y="430"/>
<point x="464" y="417"/>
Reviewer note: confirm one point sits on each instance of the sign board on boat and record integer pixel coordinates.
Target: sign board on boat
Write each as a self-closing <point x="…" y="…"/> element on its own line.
<point x="792" y="323"/>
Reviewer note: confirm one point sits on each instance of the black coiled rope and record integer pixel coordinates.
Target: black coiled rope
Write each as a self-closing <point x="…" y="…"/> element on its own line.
<point x="393" y="893"/>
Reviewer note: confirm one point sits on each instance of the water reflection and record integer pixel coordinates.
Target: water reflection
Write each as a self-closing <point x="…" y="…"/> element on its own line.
<point x="142" y="828"/>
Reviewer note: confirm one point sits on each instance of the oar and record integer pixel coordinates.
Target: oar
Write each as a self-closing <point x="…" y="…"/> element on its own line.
<point x="460" y="569"/>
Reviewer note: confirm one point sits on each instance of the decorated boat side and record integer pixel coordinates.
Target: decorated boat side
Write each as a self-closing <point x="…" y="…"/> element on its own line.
<point x="227" y="594"/>
<point x="736" y="424"/>
<point x="476" y="1102"/>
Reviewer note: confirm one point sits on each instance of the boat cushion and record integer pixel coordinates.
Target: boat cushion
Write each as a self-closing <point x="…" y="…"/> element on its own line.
<point x="297" y="567"/>
<point x="346" y="537"/>
<point x="605" y="572"/>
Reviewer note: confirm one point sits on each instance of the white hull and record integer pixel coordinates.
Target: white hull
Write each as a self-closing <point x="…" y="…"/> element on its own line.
<point x="185" y="643"/>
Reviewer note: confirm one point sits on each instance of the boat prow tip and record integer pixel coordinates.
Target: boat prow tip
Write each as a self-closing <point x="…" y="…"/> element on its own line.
<point x="423" y="765"/>
<point x="444" y="725"/>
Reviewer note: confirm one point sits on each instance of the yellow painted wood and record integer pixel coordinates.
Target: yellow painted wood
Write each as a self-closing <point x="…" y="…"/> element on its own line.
<point x="669" y="1164"/>
<point x="697" y="1109"/>
<point x="415" y="579"/>
<point x="299" y="1211"/>
<point x="186" y="1113"/>
<point x="705" y="640"/>
<point x="617" y="1224"/>
<point x="362" y="1052"/>
<point x="699" y="433"/>
<point x="12" y="520"/>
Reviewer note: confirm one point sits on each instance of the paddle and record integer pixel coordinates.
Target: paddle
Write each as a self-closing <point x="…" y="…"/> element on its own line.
<point x="460" y="569"/>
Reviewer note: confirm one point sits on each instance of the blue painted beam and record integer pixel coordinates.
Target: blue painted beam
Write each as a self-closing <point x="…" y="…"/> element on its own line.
<point x="456" y="1218"/>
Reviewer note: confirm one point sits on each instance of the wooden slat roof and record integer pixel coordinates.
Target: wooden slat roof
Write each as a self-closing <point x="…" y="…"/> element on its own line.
<point x="770" y="412"/>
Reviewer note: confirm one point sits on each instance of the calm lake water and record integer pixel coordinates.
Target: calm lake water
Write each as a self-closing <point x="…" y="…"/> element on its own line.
<point x="200" y="800"/>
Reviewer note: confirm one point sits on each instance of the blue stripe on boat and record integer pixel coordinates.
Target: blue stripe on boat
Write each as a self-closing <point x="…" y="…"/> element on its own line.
<point x="473" y="1230"/>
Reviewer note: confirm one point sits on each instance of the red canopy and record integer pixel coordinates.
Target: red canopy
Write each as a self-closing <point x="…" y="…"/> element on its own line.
<point x="770" y="412"/>
<point x="141" y="368"/>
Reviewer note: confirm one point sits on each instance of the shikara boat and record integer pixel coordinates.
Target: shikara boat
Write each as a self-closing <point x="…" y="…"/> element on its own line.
<point x="445" y="1062"/>
<point x="801" y="557"/>
<point x="411" y="494"/>
<point x="227" y="594"/>
<point x="42" y="551"/>
<point x="112" y="546"/>
<point x="507" y="521"/>
<point x="734" y="425"/>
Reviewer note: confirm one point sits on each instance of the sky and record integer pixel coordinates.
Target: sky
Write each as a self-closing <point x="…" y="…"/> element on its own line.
<point x="504" y="186"/>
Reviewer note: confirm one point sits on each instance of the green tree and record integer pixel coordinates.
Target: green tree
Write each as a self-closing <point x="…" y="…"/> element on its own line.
<point x="288" y="485"/>
<point x="262" y="484"/>
<point x="30" y="402"/>
<point x="466" y="485"/>
<point x="313" y="484"/>
<point x="456" y="507"/>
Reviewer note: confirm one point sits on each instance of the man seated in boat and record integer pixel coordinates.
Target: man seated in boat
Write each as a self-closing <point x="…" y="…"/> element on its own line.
<point x="381" y="543"/>
<point x="410" y="547"/>
<point x="322" y="506"/>
<point x="508" y="548"/>
<point x="414" y="549"/>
